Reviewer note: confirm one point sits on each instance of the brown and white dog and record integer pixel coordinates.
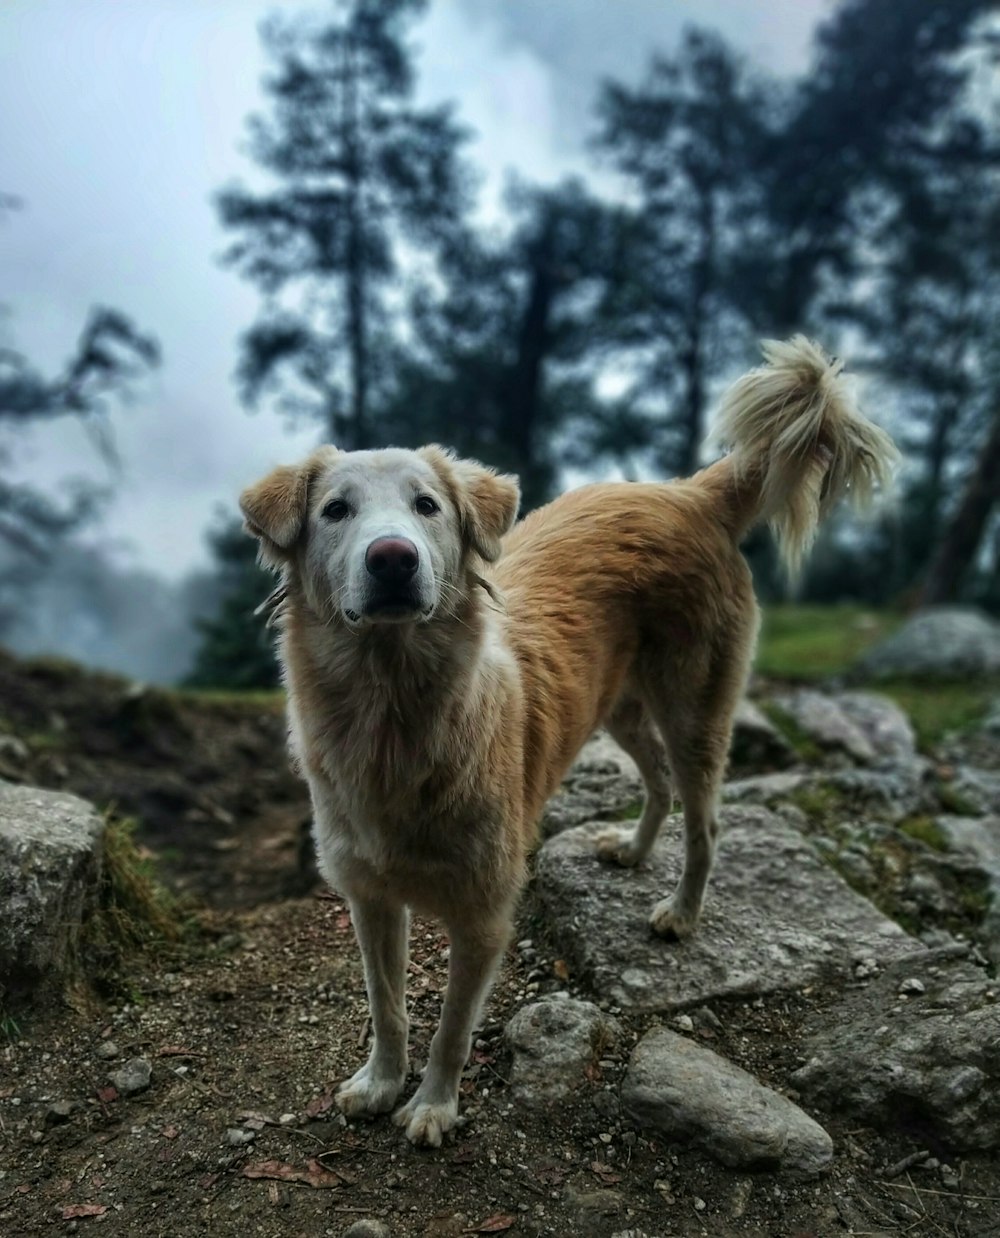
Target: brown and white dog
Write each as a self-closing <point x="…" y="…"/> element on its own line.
<point x="444" y="667"/>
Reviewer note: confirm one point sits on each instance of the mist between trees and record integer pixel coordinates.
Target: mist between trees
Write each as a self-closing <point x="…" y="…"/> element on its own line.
<point x="590" y="330"/>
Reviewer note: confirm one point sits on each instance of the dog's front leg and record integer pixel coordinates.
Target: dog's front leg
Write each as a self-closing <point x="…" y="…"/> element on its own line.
<point x="382" y="929"/>
<point x="475" y="956"/>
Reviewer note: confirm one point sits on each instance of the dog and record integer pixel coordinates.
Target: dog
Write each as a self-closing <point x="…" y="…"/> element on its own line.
<point x="444" y="666"/>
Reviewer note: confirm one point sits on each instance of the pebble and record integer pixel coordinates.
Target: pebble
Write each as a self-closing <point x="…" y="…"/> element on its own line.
<point x="134" y="1076"/>
<point x="912" y="985"/>
<point x="684" y="1023"/>
<point x="288" y="1119"/>
<point x="58" y="1112"/>
<point x="699" y="1205"/>
<point x="107" y="1049"/>
<point x="367" y="1228"/>
<point x="237" y="1138"/>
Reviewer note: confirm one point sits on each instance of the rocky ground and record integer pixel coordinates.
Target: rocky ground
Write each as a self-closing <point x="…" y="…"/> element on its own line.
<point x="823" y="1058"/>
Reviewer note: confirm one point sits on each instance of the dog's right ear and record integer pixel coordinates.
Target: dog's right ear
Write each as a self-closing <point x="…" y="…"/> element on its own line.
<point x="274" y="511"/>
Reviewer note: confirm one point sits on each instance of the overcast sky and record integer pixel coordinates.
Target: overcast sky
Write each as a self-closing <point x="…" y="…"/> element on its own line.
<point x="120" y="120"/>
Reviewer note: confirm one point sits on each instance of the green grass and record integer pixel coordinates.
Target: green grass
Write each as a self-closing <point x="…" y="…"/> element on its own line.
<point x="925" y="830"/>
<point x="272" y="699"/>
<point x="937" y="709"/>
<point x="134" y="914"/>
<point x="813" y="642"/>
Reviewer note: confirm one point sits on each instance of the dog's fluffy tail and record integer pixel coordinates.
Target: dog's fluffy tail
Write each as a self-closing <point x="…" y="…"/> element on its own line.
<point x="798" y="444"/>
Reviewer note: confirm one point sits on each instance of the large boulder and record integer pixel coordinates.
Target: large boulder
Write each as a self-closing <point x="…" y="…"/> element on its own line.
<point x="689" y="1093"/>
<point x="942" y="643"/>
<point x="50" y="866"/>
<point x="776" y="917"/>
<point x="917" y="1049"/>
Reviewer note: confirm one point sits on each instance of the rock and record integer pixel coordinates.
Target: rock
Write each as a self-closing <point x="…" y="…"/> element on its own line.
<point x="888" y="794"/>
<point x="107" y="1049"/>
<point x="50" y="867"/>
<point x="929" y="1066"/>
<point x="757" y="743"/>
<point x="555" y="1043"/>
<point x="974" y="790"/>
<point x="820" y="719"/>
<point x="14" y="750"/>
<point x="776" y="917"/>
<point x="883" y="724"/>
<point x="687" y="1092"/>
<point x="134" y="1076"/>
<point x="368" y="1227"/>
<point x="236" y="1137"/>
<point x="977" y="841"/>
<point x="60" y="1111"/>
<point x="941" y="643"/>
<point x="603" y="784"/>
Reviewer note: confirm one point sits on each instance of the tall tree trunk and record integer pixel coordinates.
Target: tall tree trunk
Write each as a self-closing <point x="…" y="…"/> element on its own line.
<point x="693" y="356"/>
<point x="355" y="274"/>
<point x="962" y="537"/>
<point x="524" y="391"/>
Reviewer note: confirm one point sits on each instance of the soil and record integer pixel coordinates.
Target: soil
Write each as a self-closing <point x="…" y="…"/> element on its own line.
<point x="249" y="1031"/>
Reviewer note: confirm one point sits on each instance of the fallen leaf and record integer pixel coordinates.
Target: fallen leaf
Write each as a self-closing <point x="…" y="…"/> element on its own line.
<point x="606" y="1174"/>
<point x="208" y="1180"/>
<point x="560" y="970"/>
<point x="313" y="1175"/>
<point x="178" y="1051"/>
<point x="23" y="1189"/>
<point x="496" y="1224"/>
<point x="319" y="1105"/>
<point x="73" y="1211"/>
<point x="255" y="1121"/>
<point x="170" y="1132"/>
<point x="107" y="1095"/>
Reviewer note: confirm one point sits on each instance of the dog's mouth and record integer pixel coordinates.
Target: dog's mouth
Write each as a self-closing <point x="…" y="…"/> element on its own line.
<point x="391" y="608"/>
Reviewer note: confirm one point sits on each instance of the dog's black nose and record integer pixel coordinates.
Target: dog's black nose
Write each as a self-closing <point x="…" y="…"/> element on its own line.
<point x="392" y="560"/>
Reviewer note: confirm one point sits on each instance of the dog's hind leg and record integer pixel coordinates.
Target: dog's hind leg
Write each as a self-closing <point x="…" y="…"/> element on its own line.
<point x="698" y="731"/>
<point x="383" y="931"/>
<point x="631" y="726"/>
<point x="476" y="951"/>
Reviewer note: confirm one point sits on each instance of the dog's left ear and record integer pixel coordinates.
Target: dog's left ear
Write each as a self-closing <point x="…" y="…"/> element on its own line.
<point x="487" y="501"/>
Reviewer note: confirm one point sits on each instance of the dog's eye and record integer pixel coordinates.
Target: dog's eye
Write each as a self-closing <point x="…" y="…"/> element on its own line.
<point x="426" y="506"/>
<point x="336" y="509"/>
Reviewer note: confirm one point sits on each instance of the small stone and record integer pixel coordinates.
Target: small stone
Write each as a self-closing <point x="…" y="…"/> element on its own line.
<point x="699" y="1205"/>
<point x="912" y="985"/>
<point x="864" y="969"/>
<point x="107" y="1049"/>
<point x="58" y="1112"/>
<point x="367" y="1228"/>
<point x="237" y="1138"/>
<point x="684" y="1023"/>
<point x="288" y="1119"/>
<point x="134" y="1076"/>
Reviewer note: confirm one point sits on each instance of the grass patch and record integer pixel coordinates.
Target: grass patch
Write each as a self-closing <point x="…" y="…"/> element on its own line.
<point x="823" y="805"/>
<point x="952" y="800"/>
<point x="271" y="699"/>
<point x="135" y="914"/>
<point x="925" y="830"/>
<point x="814" y="642"/>
<point x="632" y="812"/>
<point x="803" y="745"/>
<point x="939" y="709"/>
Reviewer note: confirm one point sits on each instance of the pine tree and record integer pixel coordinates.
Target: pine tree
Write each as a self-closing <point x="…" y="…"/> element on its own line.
<point x="360" y="173"/>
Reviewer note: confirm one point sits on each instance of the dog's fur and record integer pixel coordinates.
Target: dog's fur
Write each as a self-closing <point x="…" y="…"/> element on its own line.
<point x="433" y="728"/>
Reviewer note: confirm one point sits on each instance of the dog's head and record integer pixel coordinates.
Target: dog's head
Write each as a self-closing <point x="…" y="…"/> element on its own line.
<point x="380" y="536"/>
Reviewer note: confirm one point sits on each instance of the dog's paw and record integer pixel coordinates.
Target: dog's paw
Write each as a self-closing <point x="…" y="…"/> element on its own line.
<point x="426" y="1124"/>
<point x="669" y="921"/>
<point x="617" y="846"/>
<point x="367" y="1093"/>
